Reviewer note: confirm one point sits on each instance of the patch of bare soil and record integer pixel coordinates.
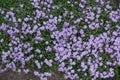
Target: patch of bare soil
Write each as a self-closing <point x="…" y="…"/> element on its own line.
<point x="10" y="75"/>
<point x="56" y="76"/>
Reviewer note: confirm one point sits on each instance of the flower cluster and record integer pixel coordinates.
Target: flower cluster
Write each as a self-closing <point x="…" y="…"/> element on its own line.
<point x="83" y="40"/>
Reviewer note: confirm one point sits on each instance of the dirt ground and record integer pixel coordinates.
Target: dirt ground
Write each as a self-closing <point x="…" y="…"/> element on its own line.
<point x="9" y="75"/>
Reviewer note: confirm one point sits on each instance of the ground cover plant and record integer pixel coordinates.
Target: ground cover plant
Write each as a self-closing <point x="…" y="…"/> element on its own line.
<point x="79" y="38"/>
